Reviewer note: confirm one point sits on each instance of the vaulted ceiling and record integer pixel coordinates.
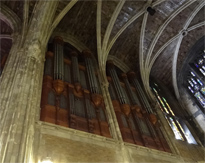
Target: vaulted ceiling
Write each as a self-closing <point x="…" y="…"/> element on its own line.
<point x="124" y="30"/>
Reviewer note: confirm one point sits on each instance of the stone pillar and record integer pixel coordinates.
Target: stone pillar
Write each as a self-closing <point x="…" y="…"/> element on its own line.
<point x="20" y="87"/>
<point x="112" y="120"/>
<point x="167" y="131"/>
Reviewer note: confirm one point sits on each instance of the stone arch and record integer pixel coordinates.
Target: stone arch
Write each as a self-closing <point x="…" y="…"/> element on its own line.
<point x="117" y="62"/>
<point x="8" y="16"/>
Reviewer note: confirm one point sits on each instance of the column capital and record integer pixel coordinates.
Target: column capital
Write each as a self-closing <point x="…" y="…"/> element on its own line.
<point x="34" y="51"/>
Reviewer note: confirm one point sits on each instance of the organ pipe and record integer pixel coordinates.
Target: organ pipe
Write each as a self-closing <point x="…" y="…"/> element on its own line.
<point x="133" y="100"/>
<point x="75" y="71"/>
<point x="96" y="97"/>
<point x="145" y="102"/>
<point x="58" y="65"/>
<point x="58" y="59"/>
<point x="91" y="73"/>
<point x="121" y="96"/>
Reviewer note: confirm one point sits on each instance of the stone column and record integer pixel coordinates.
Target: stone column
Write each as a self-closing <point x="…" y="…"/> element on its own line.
<point x="20" y="87"/>
<point x="167" y="131"/>
<point x="112" y="120"/>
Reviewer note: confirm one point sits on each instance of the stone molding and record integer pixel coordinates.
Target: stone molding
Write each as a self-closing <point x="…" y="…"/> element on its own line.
<point x="8" y="16"/>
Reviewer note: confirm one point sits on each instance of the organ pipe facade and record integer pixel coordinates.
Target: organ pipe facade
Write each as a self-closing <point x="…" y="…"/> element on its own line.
<point x="72" y="97"/>
<point x="140" y="125"/>
<point x="68" y="88"/>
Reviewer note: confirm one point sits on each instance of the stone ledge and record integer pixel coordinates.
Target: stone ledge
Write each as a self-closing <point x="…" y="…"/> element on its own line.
<point x="76" y="135"/>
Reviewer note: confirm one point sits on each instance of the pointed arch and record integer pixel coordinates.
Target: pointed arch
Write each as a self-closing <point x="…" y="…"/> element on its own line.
<point x="8" y="16"/>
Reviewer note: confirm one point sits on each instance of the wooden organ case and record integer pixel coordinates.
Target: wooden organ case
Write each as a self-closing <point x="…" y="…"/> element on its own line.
<point x="137" y="121"/>
<point x="71" y="95"/>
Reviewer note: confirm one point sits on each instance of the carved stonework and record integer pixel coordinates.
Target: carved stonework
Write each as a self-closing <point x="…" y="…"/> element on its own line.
<point x="34" y="51"/>
<point x="58" y="86"/>
<point x="96" y="99"/>
<point x="125" y="109"/>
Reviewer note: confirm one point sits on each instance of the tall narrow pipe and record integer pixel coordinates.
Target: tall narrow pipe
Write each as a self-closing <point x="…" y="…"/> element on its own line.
<point x="120" y="93"/>
<point x="75" y="71"/>
<point x="134" y="101"/>
<point x="58" y="65"/>
<point x="145" y="102"/>
<point x="96" y="97"/>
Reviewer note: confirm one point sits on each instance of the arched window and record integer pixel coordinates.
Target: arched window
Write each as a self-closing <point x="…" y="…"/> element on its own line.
<point x="195" y="80"/>
<point x="192" y="76"/>
<point x="177" y="124"/>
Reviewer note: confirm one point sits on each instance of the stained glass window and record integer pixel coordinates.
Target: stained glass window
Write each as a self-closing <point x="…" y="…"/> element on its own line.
<point x="196" y="87"/>
<point x="178" y="127"/>
<point x="202" y="71"/>
<point x="200" y="98"/>
<point x="190" y="89"/>
<point x="192" y="73"/>
<point x="203" y="90"/>
<point x="175" y="128"/>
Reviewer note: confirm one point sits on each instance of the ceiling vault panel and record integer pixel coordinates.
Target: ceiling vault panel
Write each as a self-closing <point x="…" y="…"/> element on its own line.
<point x="120" y="30"/>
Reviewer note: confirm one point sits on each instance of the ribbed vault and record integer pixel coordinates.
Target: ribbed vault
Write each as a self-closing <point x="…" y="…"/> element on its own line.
<point x="151" y="45"/>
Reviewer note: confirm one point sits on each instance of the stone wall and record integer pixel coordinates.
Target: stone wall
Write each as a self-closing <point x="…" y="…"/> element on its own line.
<point x="66" y="145"/>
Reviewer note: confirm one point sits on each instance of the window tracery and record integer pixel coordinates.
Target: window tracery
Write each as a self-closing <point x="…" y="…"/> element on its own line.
<point x="195" y="80"/>
<point x="181" y="133"/>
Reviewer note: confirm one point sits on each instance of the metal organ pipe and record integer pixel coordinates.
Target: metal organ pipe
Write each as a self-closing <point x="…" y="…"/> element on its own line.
<point x="75" y="68"/>
<point x="118" y="87"/>
<point x="136" y="84"/>
<point x="94" y="88"/>
<point x="144" y="99"/>
<point x="91" y="75"/>
<point x="127" y="84"/>
<point x="58" y="65"/>
<point x="58" y="59"/>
